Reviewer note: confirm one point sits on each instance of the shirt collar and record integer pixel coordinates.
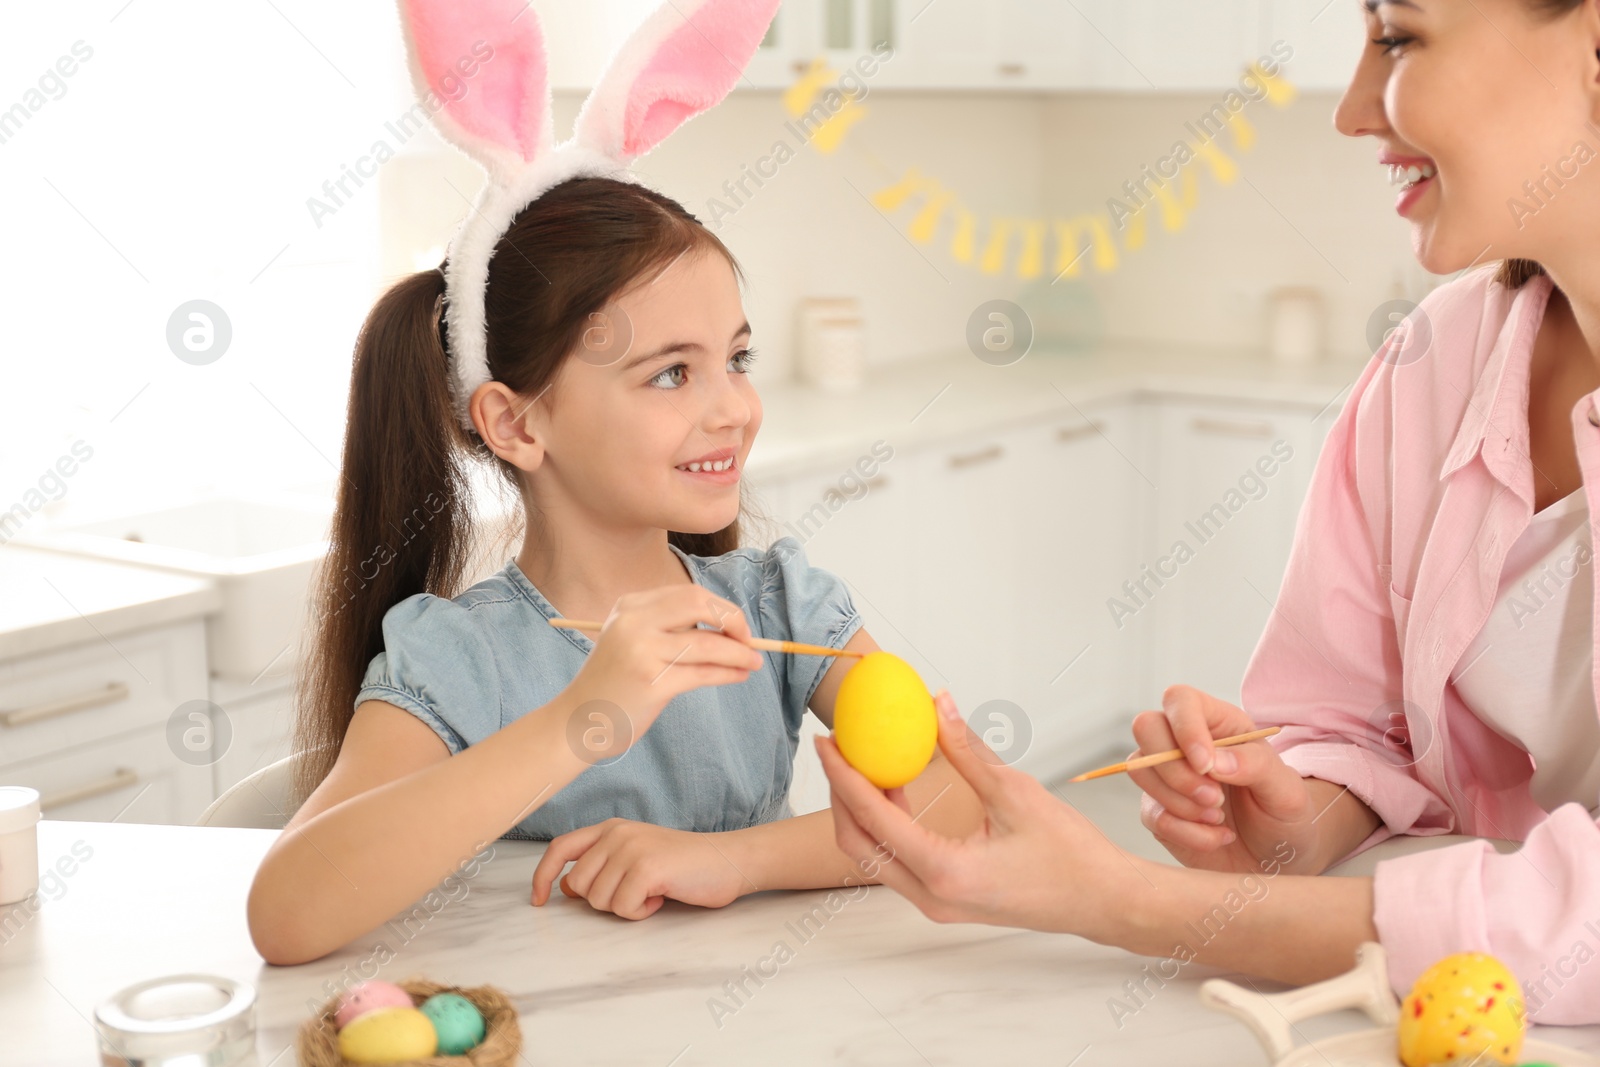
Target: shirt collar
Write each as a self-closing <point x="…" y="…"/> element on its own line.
<point x="1496" y="417"/>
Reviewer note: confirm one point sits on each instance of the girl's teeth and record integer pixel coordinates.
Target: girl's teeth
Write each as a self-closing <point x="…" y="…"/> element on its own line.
<point x="718" y="465"/>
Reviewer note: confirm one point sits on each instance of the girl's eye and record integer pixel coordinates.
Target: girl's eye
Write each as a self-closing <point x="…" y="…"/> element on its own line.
<point x="672" y="377"/>
<point x="671" y="383"/>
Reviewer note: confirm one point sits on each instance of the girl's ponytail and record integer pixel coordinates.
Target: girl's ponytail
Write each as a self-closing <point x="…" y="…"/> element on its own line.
<point x="402" y="521"/>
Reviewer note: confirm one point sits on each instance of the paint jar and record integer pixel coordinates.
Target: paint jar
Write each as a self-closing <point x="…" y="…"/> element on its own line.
<point x="19" y="843"/>
<point x="1294" y="324"/>
<point x="833" y="351"/>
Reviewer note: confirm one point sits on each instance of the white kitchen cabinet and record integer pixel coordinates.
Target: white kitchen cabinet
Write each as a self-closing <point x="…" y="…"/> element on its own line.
<point x="132" y="778"/>
<point x="1327" y="39"/>
<point x="87" y="725"/>
<point x="1173" y="45"/>
<point x="1232" y="477"/>
<point x="1086" y="484"/>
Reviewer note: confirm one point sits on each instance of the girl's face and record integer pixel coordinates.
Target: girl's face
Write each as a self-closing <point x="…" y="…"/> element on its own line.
<point x="658" y="388"/>
<point x="1473" y="99"/>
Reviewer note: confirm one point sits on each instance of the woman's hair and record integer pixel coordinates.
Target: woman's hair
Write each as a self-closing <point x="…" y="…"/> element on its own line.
<point x="403" y="522"/>
<point x="1514" y="273"/>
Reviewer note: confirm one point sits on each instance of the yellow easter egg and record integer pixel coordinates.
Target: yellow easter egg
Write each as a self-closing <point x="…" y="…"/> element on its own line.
<point x="388" y="1035"/>
<point x="1467" y="1008"/>
<point x="883" y="720"/>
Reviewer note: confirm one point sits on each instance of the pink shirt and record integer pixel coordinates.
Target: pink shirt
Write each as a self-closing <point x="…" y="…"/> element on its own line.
<point x="1423" y="485"/>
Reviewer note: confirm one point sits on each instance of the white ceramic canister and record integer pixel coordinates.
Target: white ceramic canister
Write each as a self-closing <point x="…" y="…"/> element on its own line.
<point x="1295" y="324"/>
<point x="19" y="843"/>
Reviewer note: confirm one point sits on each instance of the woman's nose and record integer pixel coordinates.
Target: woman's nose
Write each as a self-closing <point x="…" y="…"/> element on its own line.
<point x="1361" y="109"/>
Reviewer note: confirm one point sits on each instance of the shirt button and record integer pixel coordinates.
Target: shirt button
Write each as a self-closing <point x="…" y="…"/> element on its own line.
<point x="1594" y="416"/>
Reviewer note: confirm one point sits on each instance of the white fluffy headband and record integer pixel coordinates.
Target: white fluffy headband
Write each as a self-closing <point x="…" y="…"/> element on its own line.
<point x="683" y="59"/>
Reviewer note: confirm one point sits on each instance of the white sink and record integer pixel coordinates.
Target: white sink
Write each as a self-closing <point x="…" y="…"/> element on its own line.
<point x="259" y="551"/>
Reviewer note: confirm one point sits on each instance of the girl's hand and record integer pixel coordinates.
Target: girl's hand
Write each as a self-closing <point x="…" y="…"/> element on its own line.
<point x="650" y="649"/>
<point x="1035" y="861"/>
<point x="1222" y="809"/>
<point x="631" y="868"/>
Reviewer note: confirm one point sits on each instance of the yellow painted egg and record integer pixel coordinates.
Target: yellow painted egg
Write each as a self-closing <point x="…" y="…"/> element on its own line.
<point x="388" y="1035"/>
<point x="1467" y="1008"/>
<point x="883" y="720"/>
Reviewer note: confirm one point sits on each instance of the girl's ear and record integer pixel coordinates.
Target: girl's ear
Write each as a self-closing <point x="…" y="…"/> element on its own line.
<point x="483" y="63"/>
<point x="509" y="426"/>
<point x="683" y="59"/>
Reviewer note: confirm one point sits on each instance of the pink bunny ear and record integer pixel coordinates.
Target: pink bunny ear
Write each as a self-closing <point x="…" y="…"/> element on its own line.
<point x="683" y="59"/>
<point x="485" y="60"/>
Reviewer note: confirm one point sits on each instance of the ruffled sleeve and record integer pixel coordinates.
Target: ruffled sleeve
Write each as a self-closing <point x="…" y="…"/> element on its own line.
<point x="436" y="665"/>
<point x="799" y="602"/>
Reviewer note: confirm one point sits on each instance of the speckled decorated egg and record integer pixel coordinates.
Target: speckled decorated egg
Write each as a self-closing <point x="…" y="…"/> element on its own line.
<point x="1467" y="1008"/>
<point x="369" y="996"/>
<point x="388" y="1035"/>
<point x="457" y="1020"/>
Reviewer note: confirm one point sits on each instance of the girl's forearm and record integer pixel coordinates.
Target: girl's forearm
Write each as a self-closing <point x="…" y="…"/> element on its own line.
<point x="369" y="856"/>
<point x="801" y="853"/>
<point x="1286" y="927"/>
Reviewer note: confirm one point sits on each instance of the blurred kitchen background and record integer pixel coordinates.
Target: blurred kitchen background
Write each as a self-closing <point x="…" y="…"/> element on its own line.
<point x="996" y="400"/>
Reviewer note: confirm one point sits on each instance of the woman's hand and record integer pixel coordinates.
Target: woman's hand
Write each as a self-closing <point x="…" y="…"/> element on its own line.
<point x="650" y="649"/>
<point x="1034" y="861"/>
<point x="631" y="868"/>
<point x="1223" y="809"/>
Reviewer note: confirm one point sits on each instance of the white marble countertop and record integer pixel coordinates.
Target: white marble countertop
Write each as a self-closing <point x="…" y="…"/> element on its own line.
<point x="52" y="599"/>
<point x="873" y="983"/>
<point x="938" y="397"/>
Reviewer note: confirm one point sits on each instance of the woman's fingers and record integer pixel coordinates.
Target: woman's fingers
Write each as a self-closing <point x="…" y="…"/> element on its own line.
<point x="1172" y="831"/>
<point x="971" y="758"/>
<point x="1197" y="718"/>
<point x="1277" y="789"/>
<point x="1154" y="733"/>
<point x="864" y="819"/>
<point x="1183" y="805"/>
<point x="557" y="855"/>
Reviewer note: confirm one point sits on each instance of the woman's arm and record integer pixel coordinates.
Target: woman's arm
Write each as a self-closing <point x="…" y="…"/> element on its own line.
<point x="1036" y="862"/>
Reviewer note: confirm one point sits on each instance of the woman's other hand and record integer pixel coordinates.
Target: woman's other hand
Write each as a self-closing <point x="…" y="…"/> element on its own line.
<point x="1232" y="808"/>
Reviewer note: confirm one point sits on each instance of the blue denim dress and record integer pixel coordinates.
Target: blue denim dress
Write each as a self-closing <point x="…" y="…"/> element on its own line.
<point x="717" y="758"/>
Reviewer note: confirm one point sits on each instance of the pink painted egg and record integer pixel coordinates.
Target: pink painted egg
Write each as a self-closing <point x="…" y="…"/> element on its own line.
<point x="369" y="996"/>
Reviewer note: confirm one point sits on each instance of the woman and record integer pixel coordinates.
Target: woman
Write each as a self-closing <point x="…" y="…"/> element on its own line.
<point x="1431" y="657"/>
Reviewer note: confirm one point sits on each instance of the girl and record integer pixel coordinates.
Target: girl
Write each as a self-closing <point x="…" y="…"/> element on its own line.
<point x="1431" y="658"/>
<point x="658" y="754"/>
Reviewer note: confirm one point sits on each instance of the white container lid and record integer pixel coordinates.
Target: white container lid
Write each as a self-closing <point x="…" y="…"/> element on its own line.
<point x="19" y="808"/>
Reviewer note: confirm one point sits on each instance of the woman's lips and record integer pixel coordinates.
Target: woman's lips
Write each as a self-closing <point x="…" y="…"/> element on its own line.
<point x="1413" y="174"/>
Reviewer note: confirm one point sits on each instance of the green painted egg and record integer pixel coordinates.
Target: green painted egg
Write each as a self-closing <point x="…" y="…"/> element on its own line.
<point x="457" y="1020"/>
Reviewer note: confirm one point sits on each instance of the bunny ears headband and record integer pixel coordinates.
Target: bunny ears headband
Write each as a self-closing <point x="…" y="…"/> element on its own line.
<point x="682" y="60"/>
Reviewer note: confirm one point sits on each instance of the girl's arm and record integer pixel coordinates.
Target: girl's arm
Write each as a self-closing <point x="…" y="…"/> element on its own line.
<point x="631" y="868"/>
<point x="396" y="815"/>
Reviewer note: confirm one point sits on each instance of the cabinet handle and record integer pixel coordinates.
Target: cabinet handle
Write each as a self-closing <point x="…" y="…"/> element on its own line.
<point x="1013" y="69"/>
<point x="120" y="778"/>
<point x="1232" y="428"/>
<point x="110" y="694"/>
<point x="983" y="455"/>
<point x="877" y="481"/>
<point x="1072" y="433"/>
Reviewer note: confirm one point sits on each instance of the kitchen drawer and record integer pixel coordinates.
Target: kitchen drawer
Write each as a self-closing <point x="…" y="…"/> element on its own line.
<point x="99" y="689"/>
<point x="134" y="778"/>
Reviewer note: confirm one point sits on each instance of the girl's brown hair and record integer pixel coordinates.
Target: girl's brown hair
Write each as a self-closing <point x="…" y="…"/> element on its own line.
<point x="403" y="520"/>
<point x="1514" y="273"/>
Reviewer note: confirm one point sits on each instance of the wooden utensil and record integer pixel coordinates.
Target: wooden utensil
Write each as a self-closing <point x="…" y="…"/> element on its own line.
<point x="765" y="644"/>
<point x="1171" y="754"/>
